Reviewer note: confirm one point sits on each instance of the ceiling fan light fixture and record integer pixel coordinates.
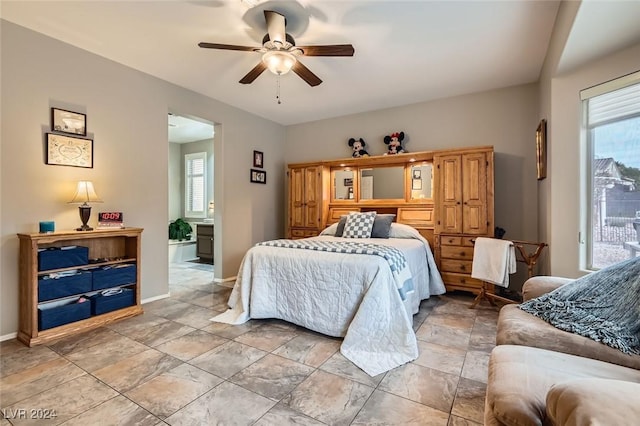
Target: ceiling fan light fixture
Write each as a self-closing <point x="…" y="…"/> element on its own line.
<point x="279" y="62"/>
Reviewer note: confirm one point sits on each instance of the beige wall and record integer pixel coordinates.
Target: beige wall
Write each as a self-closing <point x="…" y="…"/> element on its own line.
<point x="567" y="149"/>
<point x="127" y="118"/>
<point x="561" y="215"/>
<point x="505" y="118"/>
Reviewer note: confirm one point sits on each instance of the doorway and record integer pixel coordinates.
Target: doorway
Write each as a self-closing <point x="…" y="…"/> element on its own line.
<point x="190" y="201"/>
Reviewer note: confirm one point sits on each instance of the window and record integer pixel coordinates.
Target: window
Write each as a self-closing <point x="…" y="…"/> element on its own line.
<point x="612" y="124"/>
<point x="195" y="188"/>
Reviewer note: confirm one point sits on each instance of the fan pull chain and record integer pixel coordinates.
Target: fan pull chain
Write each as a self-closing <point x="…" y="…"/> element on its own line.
<point x="278" y="90"/>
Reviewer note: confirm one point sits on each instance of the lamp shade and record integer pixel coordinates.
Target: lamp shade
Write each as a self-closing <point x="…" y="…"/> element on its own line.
<point x="279" y="62"/>
<point x="85" y="193"/>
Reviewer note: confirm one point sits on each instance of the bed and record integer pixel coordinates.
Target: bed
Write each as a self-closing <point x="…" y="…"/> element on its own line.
<point x="352" y="295"/>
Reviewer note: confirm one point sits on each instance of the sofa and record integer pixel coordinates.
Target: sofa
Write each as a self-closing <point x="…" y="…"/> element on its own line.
<point x="540" y="375"/>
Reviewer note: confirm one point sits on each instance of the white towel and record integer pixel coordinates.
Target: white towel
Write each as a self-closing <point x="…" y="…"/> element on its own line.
<point x="493" y="261"/>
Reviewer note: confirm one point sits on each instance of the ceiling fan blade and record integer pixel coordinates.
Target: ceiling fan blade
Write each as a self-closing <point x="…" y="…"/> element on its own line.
<point x="254" y="73"/>
<point x="329" y="50"/>
<point x="227" y="47"/>
<point x="275" y="26"/>
<point x="306" y="74"/>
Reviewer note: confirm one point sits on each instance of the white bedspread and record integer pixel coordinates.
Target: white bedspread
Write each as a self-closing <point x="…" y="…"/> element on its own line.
<point x="343" y="295"/>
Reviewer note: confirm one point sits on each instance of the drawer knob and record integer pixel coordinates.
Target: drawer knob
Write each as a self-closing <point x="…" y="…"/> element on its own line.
<point x="463" y="254"/>
<point x="463" y="281"/>
<point x="450" y="241"/>
<point x="463" y="268"/>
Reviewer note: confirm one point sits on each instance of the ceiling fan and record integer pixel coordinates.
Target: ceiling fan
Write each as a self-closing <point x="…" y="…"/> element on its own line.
<point x="280" y="53"/>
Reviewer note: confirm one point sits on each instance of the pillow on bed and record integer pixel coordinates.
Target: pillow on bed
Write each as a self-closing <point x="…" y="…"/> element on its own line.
<point x="341" y="223"/>
<point x="359" y="225"/>
<point x="382" y="225"/>
<point x="330" y="230"/>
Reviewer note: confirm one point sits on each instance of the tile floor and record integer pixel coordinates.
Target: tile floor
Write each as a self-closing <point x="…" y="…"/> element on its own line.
<point x="173" y="366"/>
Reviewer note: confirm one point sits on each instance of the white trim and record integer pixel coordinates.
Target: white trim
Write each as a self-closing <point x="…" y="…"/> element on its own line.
<point x="224" y="282"/>
<point x="154" y="298"/>
<point x="610" y="86"/>
<point x="8" y="336"/>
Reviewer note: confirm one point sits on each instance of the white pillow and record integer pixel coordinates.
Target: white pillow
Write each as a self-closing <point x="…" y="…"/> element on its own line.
<point x="330" y="230"/>
<point x="359" y="225"/>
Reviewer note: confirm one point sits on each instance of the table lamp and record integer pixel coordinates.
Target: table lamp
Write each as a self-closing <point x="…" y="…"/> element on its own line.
<point x="85" y="194"/>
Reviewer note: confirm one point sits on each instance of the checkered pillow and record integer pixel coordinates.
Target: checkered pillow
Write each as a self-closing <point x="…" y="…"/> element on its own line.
<point x="359" y="225"/>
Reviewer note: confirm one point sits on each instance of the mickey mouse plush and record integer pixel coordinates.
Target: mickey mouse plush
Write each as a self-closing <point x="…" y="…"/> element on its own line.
<point x="394" y="142"/>
<point x="358" y="148"/>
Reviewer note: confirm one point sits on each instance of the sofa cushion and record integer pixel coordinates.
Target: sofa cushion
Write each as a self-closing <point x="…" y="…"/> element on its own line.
<point x="520" y="378"/>
<point x="594" y="402"/>
<point x="602" y="306"/>
<point x="516" y="327"/>
<point x="537" y="286"/>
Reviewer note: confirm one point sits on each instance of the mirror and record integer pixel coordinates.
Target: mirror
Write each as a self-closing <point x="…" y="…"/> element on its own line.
<point x="421" y="181"/>
<point x="343" y="185"/>
<point x="382" y="183"/>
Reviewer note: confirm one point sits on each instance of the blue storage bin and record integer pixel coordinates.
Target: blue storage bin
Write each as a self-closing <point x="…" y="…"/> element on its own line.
<point x="56" y="257"/>
<point x="54" y="288"/>
<point x="101" y="304"/>
<point x="63" y="314"/>
<point x="114" y="275"/>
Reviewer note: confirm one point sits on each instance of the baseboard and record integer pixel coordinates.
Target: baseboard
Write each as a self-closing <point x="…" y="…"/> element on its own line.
<point x="154" y="298"/>
<point x="8" y="336"/>
<point x="225" y="282"/>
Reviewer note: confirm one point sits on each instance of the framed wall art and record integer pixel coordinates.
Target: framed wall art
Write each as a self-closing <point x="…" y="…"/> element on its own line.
<point x="258" y="176"/>
<point x="541" y="149"/>
<point x="69" y="151"/>
<point x="258" y="159"/>
<point x="64" y="121"/>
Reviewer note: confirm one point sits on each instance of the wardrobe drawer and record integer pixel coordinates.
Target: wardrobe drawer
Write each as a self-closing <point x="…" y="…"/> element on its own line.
<point x="450" y="240"/>
<point x="460" y="279"/>
<point x="459" y="252"/>
<point x="451" y="265"/>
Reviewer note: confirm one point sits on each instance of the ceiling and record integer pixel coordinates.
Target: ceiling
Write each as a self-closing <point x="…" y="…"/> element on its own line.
<point x="405" y="51"/>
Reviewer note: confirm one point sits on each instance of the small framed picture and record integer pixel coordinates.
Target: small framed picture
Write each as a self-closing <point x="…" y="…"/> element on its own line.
<point x="417" y="174"/>
<point x="64" y="121"/>
<point x="416" y="183"/>
<point x="69" y="151"/>
<point x="258" y="176"/>
<point x="258" y="159"/>
<point x="348" y="181"/>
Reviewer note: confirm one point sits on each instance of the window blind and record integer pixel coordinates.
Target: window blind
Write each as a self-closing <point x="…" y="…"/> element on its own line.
<point x="616" y="105"/>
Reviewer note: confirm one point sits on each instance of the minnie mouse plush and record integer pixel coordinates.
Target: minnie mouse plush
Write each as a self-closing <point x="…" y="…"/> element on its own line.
<point x="394" y="142"/>
<point x="358" y="148"/>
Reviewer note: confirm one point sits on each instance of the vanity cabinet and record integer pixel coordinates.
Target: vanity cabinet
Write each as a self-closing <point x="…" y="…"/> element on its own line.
<point x="306" y="194"/>
<point x="63" y="276"/>
<point x="204" y="241"/>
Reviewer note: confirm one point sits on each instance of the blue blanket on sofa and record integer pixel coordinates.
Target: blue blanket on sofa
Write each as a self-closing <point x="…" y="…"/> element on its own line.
<point x="603" y="306"/>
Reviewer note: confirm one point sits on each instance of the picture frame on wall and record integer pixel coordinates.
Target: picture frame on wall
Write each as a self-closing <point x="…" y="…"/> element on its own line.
<point x="70" y="122"/>
<point x="416" y="184"/>
<point x="258" y="159"/>
<point x="258" y="176"/>
<point x="348" y="182"/>
<point x="541" y="149"/>
<point x="69" y="151"/>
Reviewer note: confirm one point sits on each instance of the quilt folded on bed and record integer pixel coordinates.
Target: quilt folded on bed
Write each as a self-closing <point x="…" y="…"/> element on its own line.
<point x="393" y="256"/>
<point x="602" y="306"/>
